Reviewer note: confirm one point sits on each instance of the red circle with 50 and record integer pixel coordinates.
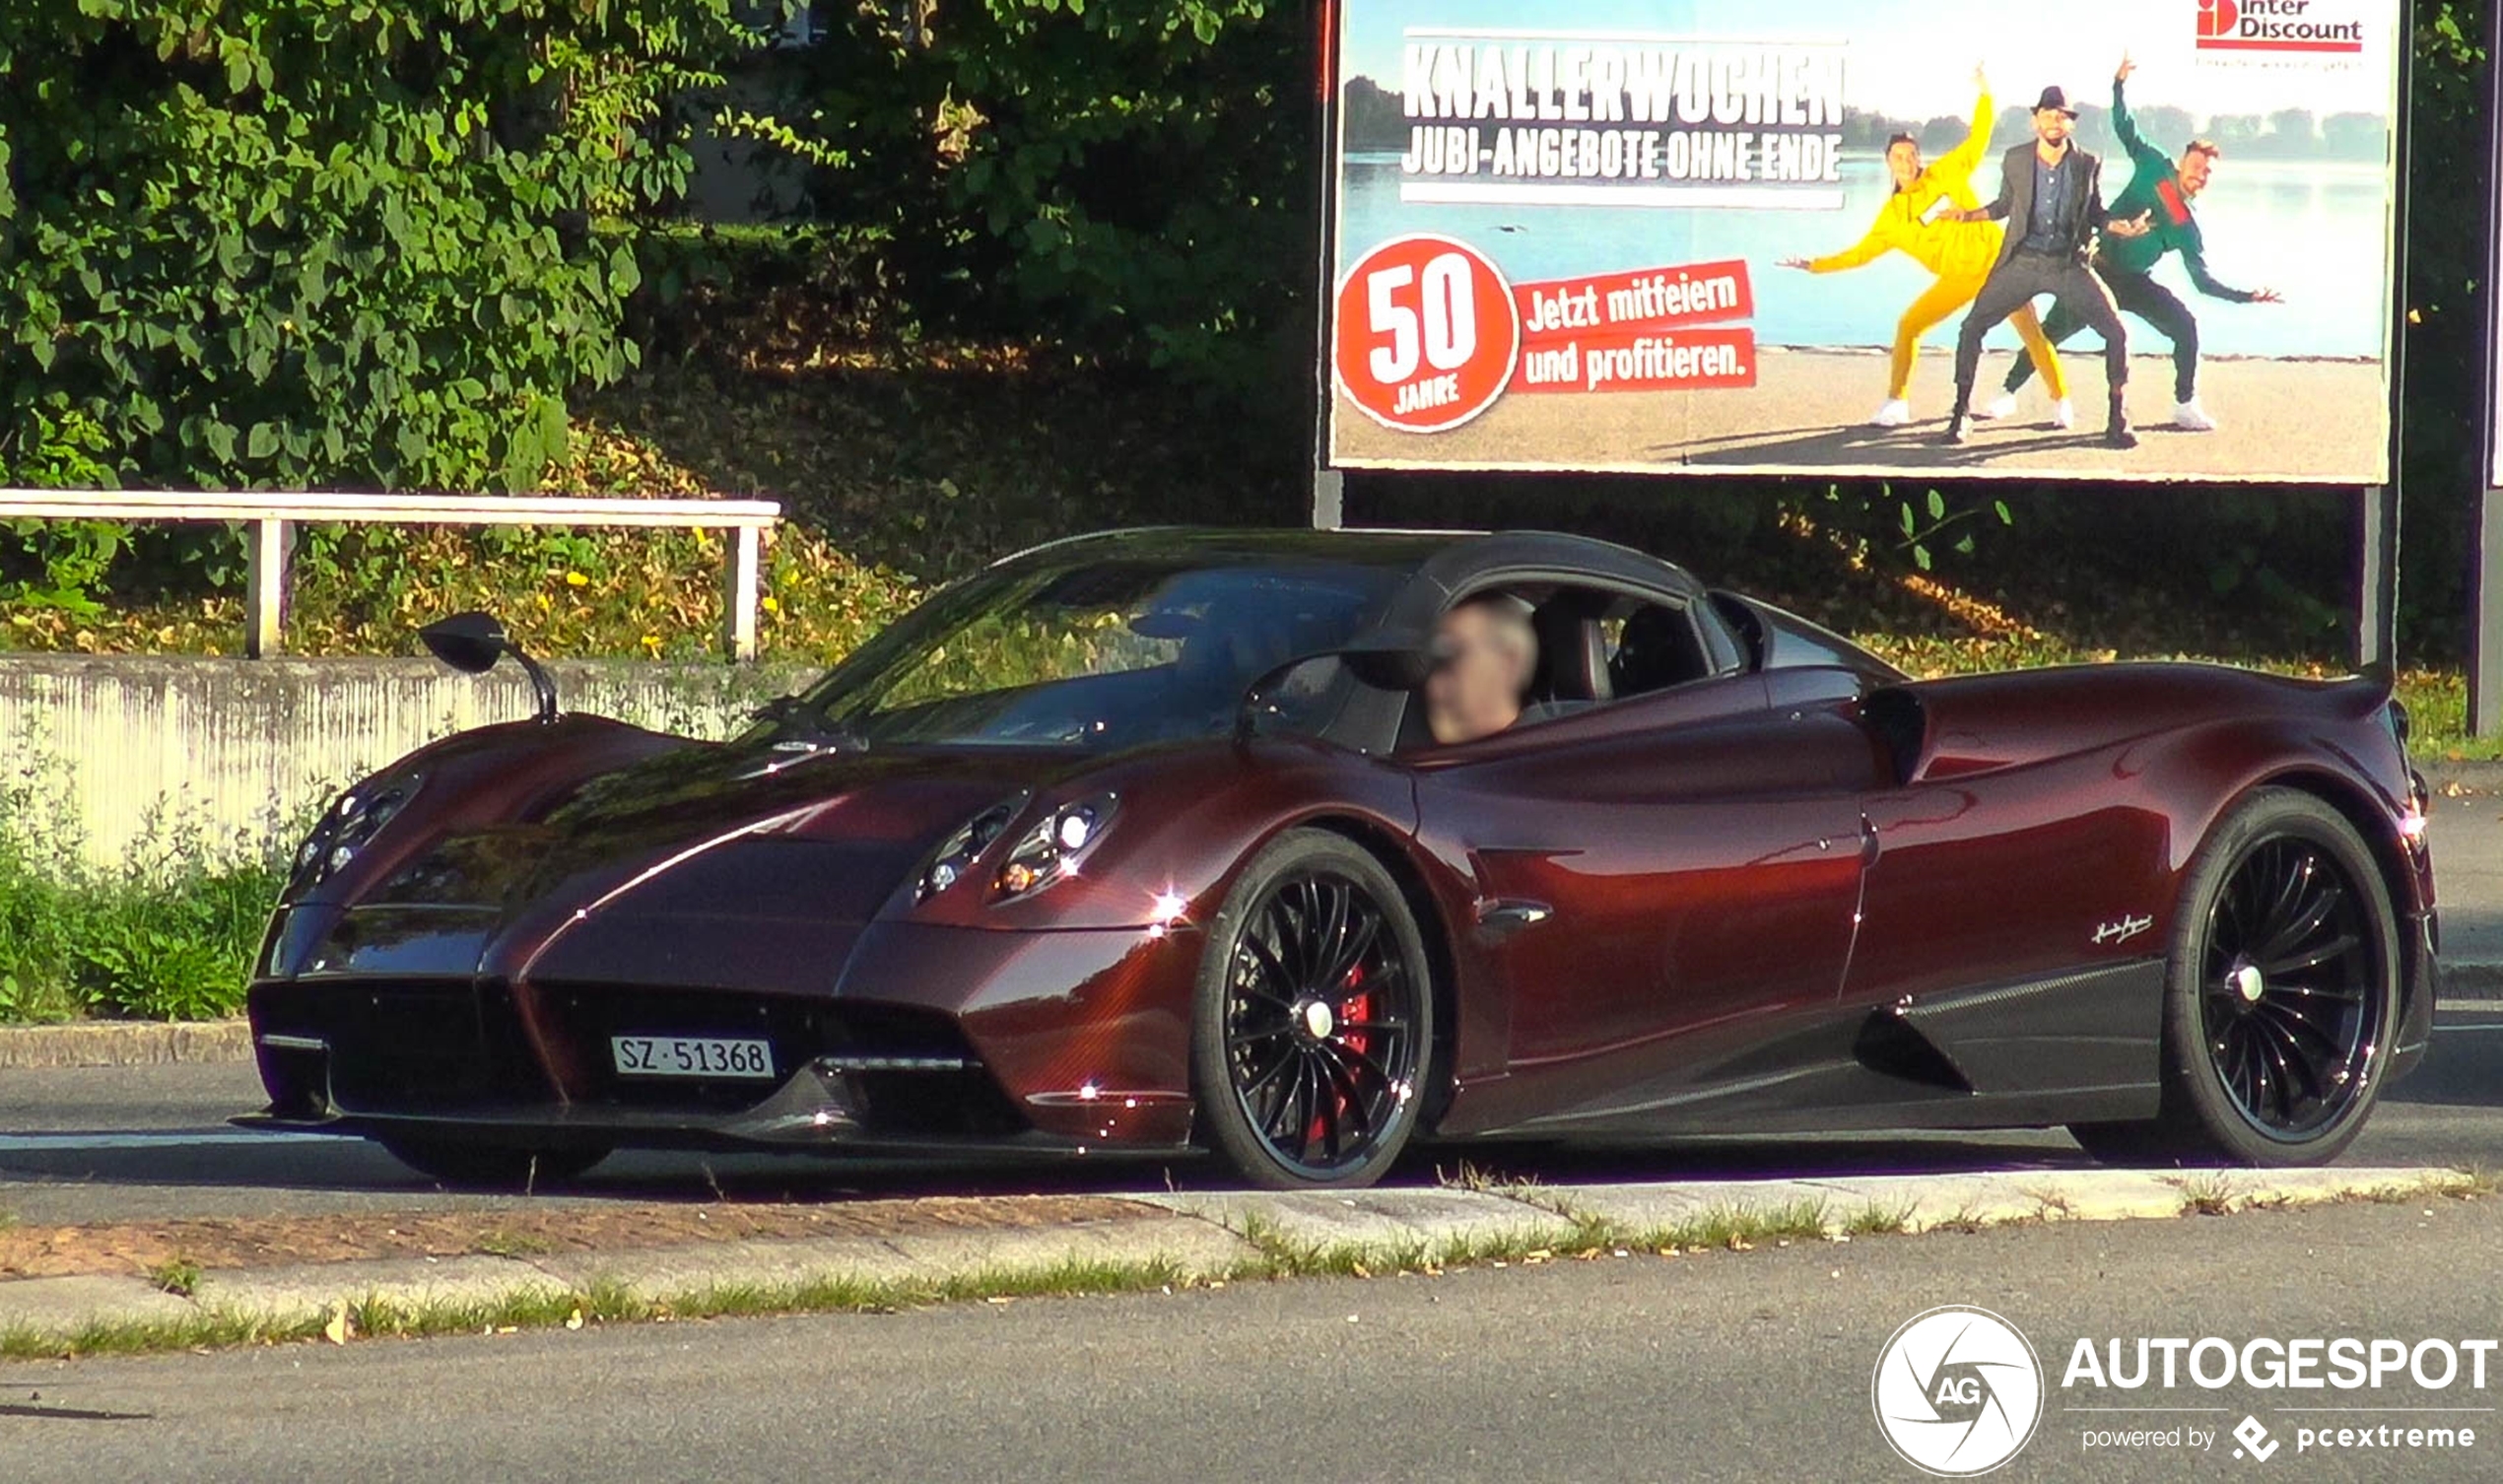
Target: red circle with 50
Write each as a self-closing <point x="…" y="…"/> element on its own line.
<point x="1426" y="333"/>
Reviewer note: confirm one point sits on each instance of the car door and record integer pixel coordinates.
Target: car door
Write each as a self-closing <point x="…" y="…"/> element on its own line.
<point x="2014" y="912"/>
<point x="1661" y="883"/>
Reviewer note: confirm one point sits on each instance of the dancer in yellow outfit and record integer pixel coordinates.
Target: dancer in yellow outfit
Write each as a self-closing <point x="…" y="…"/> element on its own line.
<point x="1920" y="221"/>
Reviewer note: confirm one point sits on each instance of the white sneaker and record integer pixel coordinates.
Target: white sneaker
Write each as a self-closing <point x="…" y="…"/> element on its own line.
<point x="2063" y="414"/>
<point x="1897" y="412"/>
<point x="2190" y="417"/>
<point x="2002" y="406"/>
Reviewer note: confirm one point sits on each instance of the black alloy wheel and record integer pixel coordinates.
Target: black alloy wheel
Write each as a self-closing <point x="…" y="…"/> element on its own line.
<point x="2288" y="996"/>
<point x="1314" y="1017"/>
<point x="2281" y="995"/>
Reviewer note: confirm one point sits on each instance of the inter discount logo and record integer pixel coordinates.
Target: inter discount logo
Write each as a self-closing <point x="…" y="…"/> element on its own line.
<point x="1957" y="1391"/>
<point x="2275" y="26"/>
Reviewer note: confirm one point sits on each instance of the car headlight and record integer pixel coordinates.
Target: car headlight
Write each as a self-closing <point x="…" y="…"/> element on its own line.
<point x="347" y="827"/>
<point x="957" y="853"/>
<point x="1050" y="851"/>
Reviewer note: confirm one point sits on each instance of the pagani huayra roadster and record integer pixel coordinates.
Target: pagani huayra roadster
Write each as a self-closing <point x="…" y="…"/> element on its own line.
<point x="1145" y="842"/>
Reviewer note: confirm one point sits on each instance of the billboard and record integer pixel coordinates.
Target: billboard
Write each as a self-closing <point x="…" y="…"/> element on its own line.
<point x="1708" y="237"/>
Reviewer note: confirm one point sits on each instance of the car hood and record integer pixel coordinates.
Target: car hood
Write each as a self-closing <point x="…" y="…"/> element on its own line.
<point x="684" y="867"/>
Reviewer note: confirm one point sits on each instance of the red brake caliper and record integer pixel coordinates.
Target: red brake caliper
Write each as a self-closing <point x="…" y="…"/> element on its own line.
<point x="1354" y="1005"/>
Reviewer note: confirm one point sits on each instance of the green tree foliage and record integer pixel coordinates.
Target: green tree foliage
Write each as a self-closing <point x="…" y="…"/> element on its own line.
<point x="2450" y="207"/>
<point x="1131" y="177"/>
<point x="327" y="241"/>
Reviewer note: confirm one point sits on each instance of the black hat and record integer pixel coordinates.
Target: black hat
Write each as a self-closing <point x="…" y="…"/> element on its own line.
<point x="2054" y="98"/>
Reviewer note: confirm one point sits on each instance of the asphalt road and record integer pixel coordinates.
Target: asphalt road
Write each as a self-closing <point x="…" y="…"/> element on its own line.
<point x="1722" y="1366"/>
<point x="150" y="1143"/>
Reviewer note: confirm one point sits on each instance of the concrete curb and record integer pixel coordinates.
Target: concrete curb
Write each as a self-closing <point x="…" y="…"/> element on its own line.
<point x="1934" y="1203"/>
<point x="1180" y="1237"/>
<point x="1374" y="1223"/>
<point x="126" y="1043"/>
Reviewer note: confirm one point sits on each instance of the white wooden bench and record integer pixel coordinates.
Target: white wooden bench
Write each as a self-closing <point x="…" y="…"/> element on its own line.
<point x="268" y="516"/>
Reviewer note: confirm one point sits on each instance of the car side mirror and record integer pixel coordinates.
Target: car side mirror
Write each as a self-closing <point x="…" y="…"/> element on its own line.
<point x="471" y="643"/>
<point x="1387" y="663"/>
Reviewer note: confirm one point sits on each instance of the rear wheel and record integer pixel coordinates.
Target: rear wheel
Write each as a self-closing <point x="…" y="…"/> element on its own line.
<point x="2281" y="995"/>
<point x="1313" y="1013"/>
<point x="476" y="1166"/>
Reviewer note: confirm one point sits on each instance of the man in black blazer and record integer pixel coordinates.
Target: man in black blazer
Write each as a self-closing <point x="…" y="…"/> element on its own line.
<point x="2050" y="196"/>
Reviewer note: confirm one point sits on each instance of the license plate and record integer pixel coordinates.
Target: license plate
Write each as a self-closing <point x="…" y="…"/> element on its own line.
<point x="691" y="1056"/>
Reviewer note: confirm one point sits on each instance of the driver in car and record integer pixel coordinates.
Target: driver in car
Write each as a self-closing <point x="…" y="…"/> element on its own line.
<point x="1484" y="654"/>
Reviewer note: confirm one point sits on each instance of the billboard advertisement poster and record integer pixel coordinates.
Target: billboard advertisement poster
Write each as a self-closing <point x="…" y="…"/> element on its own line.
<point x="2141" y="240"/>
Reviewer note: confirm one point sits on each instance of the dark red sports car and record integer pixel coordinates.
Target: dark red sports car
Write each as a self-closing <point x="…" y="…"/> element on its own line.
<point x="1143" y="842"/>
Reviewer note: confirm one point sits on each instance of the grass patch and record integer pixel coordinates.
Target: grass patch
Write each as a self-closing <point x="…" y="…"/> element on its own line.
<point x="1579" y="1234"/>
<point x="176" y="1275"/>
<point x="1734" y="1228"/>
<point x="1282" y="1257"/>
<point x="2474" y="1180"/>
<point x="601" y="1302"/>
<point x="207" y="1329"/>
<point x="501" y="1242"/>
<point x="2206" y="1196"/>
<point x="1878" y="1220"/>
<point x="2464" y="1184"/>
<point x="1964" y="1220"/>
<point x="2051" y="1204"/>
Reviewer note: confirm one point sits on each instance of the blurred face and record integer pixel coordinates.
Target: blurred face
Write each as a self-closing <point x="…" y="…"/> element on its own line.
<point x="1903" y="162"/>
<point x="2051" y="126"/>
<point x="1482" y="667"/>
<point x="2194" y="171"/>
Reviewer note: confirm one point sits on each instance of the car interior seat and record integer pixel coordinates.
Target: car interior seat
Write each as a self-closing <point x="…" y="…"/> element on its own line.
<point x="1658" y="648"/>
<point x="1573" y="668"/>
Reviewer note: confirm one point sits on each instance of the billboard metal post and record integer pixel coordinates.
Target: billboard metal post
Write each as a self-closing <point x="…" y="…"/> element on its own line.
<point x="1328" y="485"/>
<point x="2485" y="598"/>
<point x="2377" y="536"/>
<point x="2376" y="578"/>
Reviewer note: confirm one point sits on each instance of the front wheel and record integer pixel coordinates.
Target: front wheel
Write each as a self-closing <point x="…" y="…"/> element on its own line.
<point x="1314" y="1017"/>
<point x="2280" y="999"/>
<point x="480" y="1167"/>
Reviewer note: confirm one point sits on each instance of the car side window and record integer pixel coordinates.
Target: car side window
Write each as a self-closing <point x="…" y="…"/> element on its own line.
<point x="1651" y="646"/>
<point x="1589" y="647"/>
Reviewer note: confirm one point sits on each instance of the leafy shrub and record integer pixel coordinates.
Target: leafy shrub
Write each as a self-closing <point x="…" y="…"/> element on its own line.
<point x="168" y="934"/>
<point x="328" y="241"/>
<point x="64" y="561"/>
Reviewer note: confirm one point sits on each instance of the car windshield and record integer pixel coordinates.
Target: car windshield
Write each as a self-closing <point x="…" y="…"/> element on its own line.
<point x="1107" y="654"/>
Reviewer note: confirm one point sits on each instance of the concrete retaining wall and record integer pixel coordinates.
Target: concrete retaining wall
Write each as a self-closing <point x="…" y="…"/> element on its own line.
<point x="123" y="748"/>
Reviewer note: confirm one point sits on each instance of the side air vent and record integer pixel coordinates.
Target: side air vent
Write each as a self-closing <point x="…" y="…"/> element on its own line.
<point x="1896" y="716"/>
<point x="1886" y="1045"/>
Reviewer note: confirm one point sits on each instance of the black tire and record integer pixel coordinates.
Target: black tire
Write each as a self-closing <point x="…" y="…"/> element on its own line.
<point x="1313" y="1020"/>
<point x="488" y="1167"/>
<point x="2280" y="999"/>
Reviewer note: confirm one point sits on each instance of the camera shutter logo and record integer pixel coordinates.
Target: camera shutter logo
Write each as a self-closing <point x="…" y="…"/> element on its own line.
<point x="1957" y="1391"/>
